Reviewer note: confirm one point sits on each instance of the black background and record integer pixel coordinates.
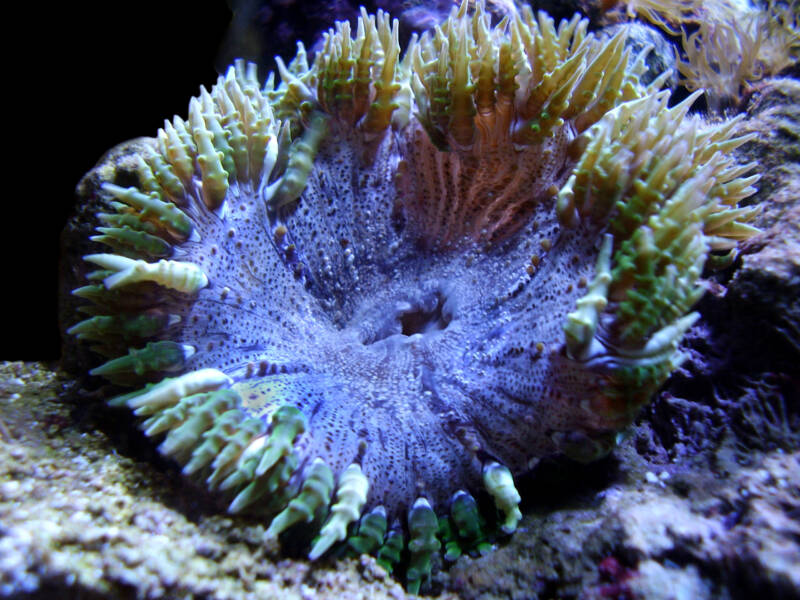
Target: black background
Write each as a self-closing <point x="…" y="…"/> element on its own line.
<point x="82" y="78"/>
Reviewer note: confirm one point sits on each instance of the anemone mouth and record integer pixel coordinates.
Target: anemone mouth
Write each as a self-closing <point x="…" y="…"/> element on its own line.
<point x="424" y="314"/>
<point x="422" y="320"/>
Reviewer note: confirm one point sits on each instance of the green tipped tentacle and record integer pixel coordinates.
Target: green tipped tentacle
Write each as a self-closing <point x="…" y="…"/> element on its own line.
<point x="468" y="522"/>
<point x="390" y="553"/>
<point x="463" y="530"/>
<point x="313" y="499"/>
<point x="422" y="544"/>
<point x="500" y="485"/>
<point x="125" y="326"/>
<point x="581" y="325"/>
<point x="128" y="239"/>
<point x="287" y="423"/>
<point x="155" y="357"/>
<point x="258" y="485"/>
<point x="669" y="196"/>
<point x="351" y="494"/>
<point x="301" y="159"/>
<point x="149" y="207"/>
<point x="371" y="532"/>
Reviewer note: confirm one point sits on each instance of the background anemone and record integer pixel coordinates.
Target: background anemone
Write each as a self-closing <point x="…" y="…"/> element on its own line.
<point x="729" y="53"/>
<point x="371" y="293"/>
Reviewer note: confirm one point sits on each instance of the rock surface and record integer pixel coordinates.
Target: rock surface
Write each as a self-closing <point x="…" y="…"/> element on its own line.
<point x="88" y="510"/>
<point x="84" y="515"/>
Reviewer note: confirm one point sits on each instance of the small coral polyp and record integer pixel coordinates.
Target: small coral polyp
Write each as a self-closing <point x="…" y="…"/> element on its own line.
<point x="359" y="302"/>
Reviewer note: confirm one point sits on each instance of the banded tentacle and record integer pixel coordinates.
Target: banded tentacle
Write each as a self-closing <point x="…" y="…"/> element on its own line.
<point x="668" y="191"/>
<point x="500" y="108"/>
<point x="234" y="154"/>
<point x="338" y="301"/>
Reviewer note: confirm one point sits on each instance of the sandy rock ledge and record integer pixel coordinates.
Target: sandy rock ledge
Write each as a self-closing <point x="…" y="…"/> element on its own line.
<point x="82" y="516"/>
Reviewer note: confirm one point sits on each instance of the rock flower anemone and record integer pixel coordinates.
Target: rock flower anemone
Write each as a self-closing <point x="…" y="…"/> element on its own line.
<point x="358" y="302"/>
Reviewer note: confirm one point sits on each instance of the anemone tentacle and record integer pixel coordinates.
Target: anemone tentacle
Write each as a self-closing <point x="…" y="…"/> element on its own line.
<point x="361" y="301"/>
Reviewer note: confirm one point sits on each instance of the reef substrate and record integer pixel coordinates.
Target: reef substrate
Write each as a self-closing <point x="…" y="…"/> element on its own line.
<point x="78" y="520"/>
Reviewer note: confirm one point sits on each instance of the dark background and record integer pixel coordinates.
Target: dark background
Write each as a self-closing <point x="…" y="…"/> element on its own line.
<point x="86" y="77"/>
